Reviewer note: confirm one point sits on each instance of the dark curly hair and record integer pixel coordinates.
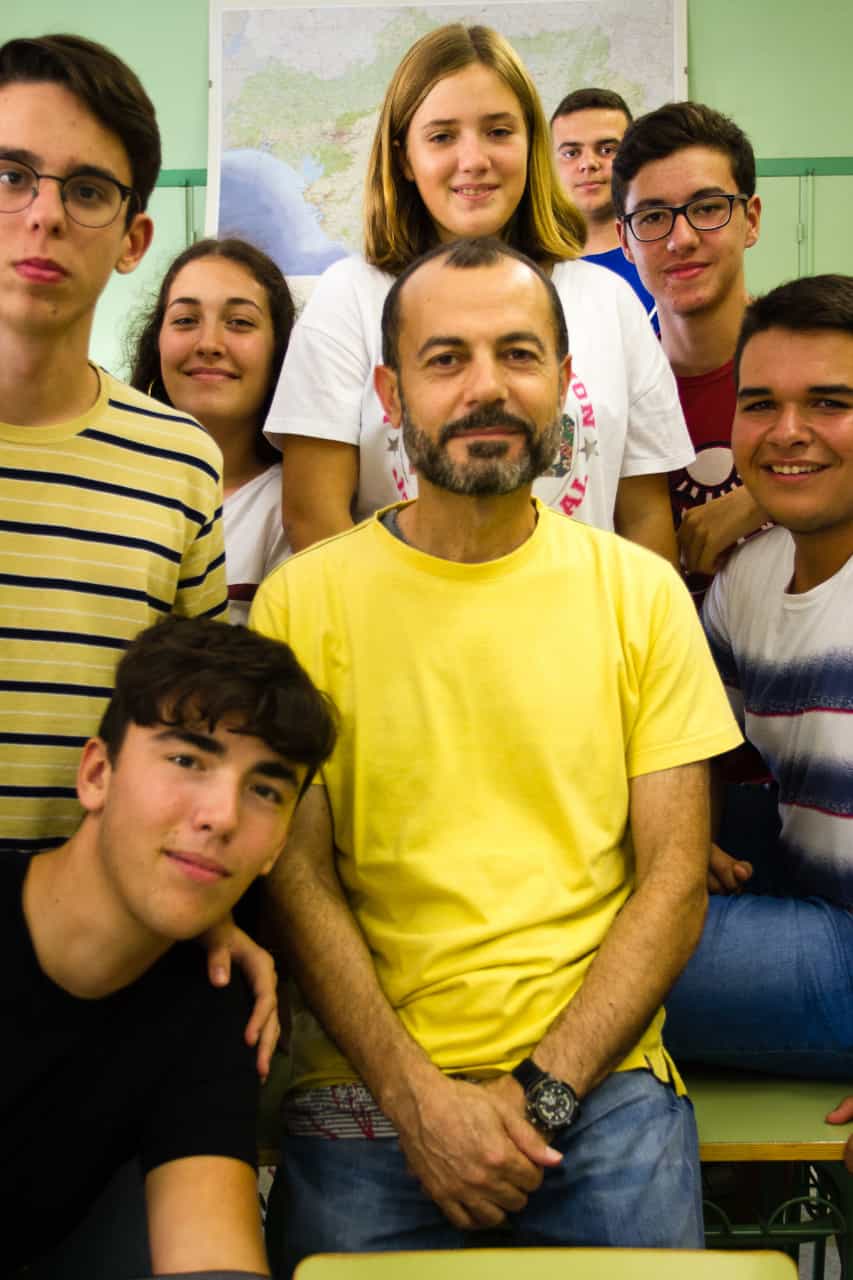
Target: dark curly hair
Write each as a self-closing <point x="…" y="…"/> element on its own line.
<point x="187" y="671"/>
<point x="143" y="349"/>
<point x="671" y="128"/>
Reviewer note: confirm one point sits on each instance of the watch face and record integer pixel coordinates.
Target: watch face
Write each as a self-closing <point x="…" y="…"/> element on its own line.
<point x="552" y="1103"/>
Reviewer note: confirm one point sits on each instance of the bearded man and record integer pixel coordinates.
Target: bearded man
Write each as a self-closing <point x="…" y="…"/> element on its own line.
<point x="501" y="870"/>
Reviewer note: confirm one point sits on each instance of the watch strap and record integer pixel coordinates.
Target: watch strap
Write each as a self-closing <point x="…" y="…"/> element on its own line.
<point x="528" y="1074"/>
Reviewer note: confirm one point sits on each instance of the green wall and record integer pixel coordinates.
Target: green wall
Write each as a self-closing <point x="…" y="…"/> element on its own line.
<point x="780" y="67"/>
<point x="165" y="41"/>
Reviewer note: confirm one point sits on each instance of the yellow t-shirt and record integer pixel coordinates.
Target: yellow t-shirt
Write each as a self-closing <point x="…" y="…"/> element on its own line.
<point x="492" y="715"/>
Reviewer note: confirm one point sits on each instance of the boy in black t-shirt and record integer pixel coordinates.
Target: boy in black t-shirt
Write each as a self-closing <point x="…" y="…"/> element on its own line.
<point x="116" y="1043"/>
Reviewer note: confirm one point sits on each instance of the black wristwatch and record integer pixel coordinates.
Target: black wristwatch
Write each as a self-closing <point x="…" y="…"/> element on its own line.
<point x="551" y="1103"/>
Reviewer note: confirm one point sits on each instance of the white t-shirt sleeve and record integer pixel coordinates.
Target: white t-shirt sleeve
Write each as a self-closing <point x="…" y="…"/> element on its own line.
<point x="330" y="358"/>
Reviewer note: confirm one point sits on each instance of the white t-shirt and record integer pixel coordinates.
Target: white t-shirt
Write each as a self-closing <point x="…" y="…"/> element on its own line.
<point x="623" y="416"/>
<point x="787" y="664"/>
<point x="254" y="538"/>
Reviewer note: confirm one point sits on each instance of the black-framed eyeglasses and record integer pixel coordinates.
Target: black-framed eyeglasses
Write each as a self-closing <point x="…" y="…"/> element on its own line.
<point x="705" y="213"/>
<point x="90" y="199"/>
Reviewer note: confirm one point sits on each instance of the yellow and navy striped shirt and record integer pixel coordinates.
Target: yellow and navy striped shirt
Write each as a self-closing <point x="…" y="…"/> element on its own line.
<point x="106" y="524"/>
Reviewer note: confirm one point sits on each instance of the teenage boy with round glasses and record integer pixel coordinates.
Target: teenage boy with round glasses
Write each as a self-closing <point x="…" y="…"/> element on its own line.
<point x="684" y="192"/>
<point x="91" y="198"/>
<point x="110" y="500"/>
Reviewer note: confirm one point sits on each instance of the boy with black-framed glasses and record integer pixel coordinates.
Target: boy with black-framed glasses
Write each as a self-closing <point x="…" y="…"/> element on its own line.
<point x="684" y="192"/>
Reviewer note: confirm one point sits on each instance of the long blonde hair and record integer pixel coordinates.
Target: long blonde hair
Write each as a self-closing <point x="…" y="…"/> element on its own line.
<point x="397" y="225"/>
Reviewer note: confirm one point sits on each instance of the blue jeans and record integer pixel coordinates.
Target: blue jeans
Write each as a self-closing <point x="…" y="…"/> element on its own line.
<point x="630" y="1177"/>
<point x="770" y="986"/>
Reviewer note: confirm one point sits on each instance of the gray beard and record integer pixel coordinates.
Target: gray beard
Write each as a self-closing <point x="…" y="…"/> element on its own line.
<point x="487" y="472"/>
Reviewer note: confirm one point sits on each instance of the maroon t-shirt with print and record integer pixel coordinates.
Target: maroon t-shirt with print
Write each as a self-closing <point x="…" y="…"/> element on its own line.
<point x="708" y="401"/>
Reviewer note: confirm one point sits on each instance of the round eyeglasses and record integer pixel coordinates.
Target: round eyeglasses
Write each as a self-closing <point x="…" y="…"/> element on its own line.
<point x="90" y="199"/>
<point x="706" y="213"/>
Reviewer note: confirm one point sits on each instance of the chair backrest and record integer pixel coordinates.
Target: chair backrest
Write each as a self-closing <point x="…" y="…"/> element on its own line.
<point x="550" y="1264"/>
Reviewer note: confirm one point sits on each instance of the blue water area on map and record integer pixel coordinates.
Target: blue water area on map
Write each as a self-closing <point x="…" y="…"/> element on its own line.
<point x="311" y="169"/>
<point x="262" y="199"/>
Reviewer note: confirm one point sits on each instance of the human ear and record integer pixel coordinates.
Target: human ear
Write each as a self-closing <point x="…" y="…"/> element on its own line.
<point x="93" y="775"/>
<point x="624" y="240"/>
<point x="135" y="243"/>
<point x="387" y="385"/>
<point x="753" y="221"/>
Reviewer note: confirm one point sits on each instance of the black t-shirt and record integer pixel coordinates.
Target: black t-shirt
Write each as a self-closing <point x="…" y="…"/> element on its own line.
<point x="159" y="1070"/>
